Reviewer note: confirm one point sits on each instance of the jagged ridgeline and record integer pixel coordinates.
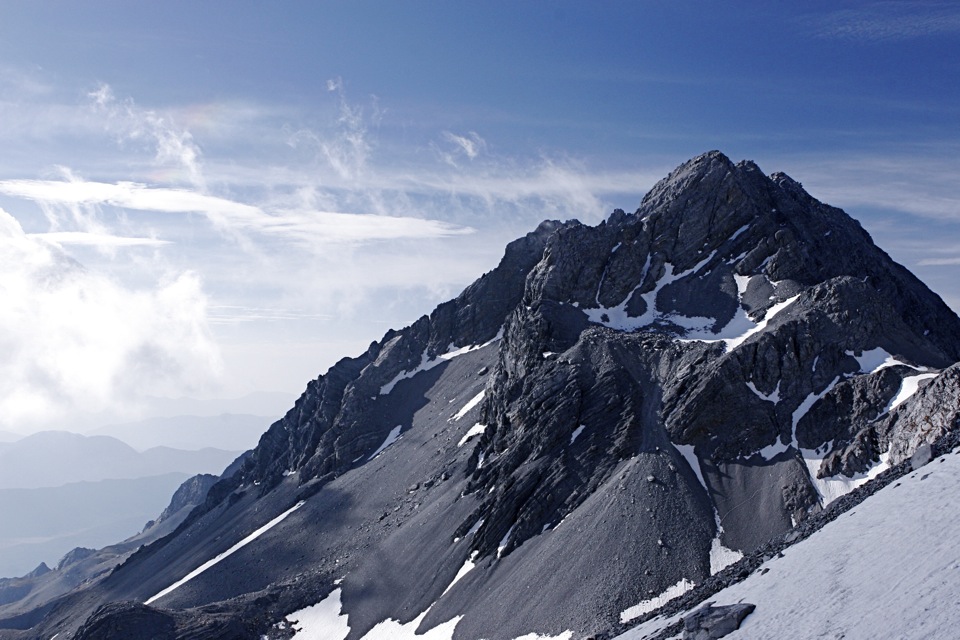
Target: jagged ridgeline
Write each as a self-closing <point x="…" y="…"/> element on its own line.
<point x="614" y="412"/>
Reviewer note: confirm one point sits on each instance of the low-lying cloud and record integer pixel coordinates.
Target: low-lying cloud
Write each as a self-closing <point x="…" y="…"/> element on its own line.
<point x="74" y="340"/>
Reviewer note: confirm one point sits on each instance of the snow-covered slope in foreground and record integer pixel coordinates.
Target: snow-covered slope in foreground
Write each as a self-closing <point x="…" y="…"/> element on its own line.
<point x="887" y="569"/>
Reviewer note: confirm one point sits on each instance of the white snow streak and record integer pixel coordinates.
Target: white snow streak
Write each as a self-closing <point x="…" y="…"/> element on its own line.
<point x="473" y="530"/>
<point x="740" y="327"/>
<point x="229" y="552"/>
<point x="686" y="450"/>
<point x="617" y="317"/>
<point x="656" y="602"/>
<point x="773" y="396"/>
<point x="327" y="620"/>
<point x="468" y="566"/>
<point x="778" y="447"/>
<point x="427" y="364"/>
<point x="476" y="527"/>
<point x="806" y="405"/>
<point x="394" y="630"/>
<point x="476" y="430"/>
<point x="771" y="451"/>
<point x="833" y="487"/>
<point x="736" y="234"/>
<point x="576" y="433"/>
<point x="505" y="540"/>
<point x="908" y="387"/>
<point x="721" y="557"/>
<point x="392" y="437"/>
<point x="470" y="405"/>
<point x="876" y="359"/>
<point x="322" y="620"/>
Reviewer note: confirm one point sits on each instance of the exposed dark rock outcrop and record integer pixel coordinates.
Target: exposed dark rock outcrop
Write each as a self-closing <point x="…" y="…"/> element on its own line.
<point x="189" y="494"/>
<point x="711" y="622"/>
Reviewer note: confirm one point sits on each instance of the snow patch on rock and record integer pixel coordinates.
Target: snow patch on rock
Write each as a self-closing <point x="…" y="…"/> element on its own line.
<point x="392" y="437"/>
<point x="646" y="606"/>
<point x="876" y="359"/>
<point x="839" y="485"/>
<point x="688" y="453"/>
<point x="476" y="430"/>
<point x="470" y="405"/>
<point x="773" y="396"/>
<point x="720" y="556"/>
<point x="320" y="621"/>
<point x="427" y="363"/>
<point x="576" y="433"/>
<point x="618" y="318"/>
<point x="908" y="387"/>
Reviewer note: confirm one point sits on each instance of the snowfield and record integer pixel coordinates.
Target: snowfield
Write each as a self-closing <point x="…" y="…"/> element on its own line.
<point x="887" y="569"/>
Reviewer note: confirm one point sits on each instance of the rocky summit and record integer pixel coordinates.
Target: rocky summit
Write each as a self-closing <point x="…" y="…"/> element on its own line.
<point x="612" y="415"/>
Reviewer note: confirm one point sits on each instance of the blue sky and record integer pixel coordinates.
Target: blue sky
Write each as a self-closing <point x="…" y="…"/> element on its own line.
<point x="208" y="199"/>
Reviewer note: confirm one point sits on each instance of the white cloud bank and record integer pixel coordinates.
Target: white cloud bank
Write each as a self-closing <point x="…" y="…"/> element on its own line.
<point x="72" y="340"/>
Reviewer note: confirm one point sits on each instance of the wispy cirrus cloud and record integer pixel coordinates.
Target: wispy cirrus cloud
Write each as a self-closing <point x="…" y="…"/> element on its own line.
<point x="940" y="262"/>
<point x="348" y="148"/>
<point x="84" y="238"/>
<point x="174" y="145"/>
<point x="470" y="145"/>
<point x="924" y="182"/>
<point x="307" y="226"/>
<point x="881" y="21"/>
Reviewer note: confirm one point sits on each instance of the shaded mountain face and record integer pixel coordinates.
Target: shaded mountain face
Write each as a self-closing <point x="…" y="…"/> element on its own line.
<point x="611" y="412"/>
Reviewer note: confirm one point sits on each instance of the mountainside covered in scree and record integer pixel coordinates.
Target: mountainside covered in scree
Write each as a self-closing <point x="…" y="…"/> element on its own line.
<point x="613" y="413"/>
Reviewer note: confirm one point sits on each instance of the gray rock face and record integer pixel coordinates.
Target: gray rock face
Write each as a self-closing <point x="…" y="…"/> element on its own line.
<point x="933" y="411"/>
<point x="590" y="422"/>
<point x="189" y="494"/>
<point x="710" y="622"/>
<point x="127" y="621"/>
<point x="136" y="621"/>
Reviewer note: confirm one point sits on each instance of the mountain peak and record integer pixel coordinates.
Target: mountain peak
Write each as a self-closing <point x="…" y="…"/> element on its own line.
<point x="645" y="400"/>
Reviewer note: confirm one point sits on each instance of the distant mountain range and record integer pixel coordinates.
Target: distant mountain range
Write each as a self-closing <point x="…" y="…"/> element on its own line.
<point x="61" y="490"/>
<point x="41" y="525"/>
<point x="615" y="415"/>
<point x="233" y="432"/>
<point x="54" y="458"/>
<point x="71" y="513"/>
<point x="261" y="403"/>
